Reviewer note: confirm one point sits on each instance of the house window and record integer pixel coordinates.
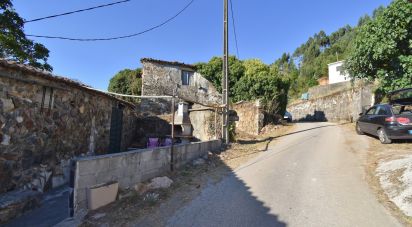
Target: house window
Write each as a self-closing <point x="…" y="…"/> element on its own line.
<point x="339" y="69"/>
<point x="47" y="98"/>
<point x="186" y="75"/>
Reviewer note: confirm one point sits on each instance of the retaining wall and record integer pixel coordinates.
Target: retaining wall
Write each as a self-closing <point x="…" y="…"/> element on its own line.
<point x="130" y="168"/>
<point x="342" y="106"/>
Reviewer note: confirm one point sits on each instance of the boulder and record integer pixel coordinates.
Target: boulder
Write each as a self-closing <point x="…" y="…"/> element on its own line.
<point x="199" y="161"/>
<point x="160" y="182"/>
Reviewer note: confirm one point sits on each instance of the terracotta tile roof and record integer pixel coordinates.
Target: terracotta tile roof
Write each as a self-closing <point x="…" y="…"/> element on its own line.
<point x="51" y="77"/>
<point x="171" y="63"/>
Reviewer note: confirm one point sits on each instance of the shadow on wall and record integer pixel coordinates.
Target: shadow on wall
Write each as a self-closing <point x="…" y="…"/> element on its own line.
<point x="317" y="116"/>
<point x="150" y="127"/>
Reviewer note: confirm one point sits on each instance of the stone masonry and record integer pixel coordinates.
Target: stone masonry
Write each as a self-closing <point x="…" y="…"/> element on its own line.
<point x="251" y="117"/>
<point x="342" y="105"/>
<point x="162" y="77"/>
<point x="47" y="120"/>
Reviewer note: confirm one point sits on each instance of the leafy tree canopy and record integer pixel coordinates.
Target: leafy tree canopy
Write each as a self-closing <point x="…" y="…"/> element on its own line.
<point x="13" y="42"/>
<point x="383" y="47"/>
<point x="252" y="79"/>
<point x="127" y="82"/>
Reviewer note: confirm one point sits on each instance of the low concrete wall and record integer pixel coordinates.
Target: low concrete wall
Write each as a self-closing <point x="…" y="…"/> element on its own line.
<point x="130" y="168"/>
<point x="342" y="106"/>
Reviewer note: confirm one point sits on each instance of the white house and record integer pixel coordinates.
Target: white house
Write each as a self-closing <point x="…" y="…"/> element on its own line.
<point x="336" y="73"/>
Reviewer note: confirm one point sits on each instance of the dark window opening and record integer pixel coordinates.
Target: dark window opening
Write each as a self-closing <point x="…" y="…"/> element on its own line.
<point x="340" y="70"/>
<point x="186" y="75"/>
<point x="47" y="100"/>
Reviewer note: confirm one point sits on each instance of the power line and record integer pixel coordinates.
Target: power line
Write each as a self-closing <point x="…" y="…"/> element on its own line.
<point x="117" y="37"/>
<point x="76" y="11"/>
<point x="234" y="28"/>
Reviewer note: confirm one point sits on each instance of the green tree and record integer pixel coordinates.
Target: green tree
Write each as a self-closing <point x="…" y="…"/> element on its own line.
<point x="212" y="71"/>
<point x="260" y="81"/>
<point x="383" y="48"/>
<point x="127" y="81"/>
<point x="13" y="42"/>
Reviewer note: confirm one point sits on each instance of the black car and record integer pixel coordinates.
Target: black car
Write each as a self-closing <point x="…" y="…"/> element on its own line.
<point x="389" y="121"/>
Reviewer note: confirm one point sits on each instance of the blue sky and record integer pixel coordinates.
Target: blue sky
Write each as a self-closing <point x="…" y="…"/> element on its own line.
<point x="266" y="29"/>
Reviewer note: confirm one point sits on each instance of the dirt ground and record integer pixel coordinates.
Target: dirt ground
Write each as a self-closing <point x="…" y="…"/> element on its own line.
<point x="376" y="153"/>
<point x="152" y="208"/>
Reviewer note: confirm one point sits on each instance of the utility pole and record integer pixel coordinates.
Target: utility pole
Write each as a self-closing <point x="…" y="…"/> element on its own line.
<point x="225" y="87"/>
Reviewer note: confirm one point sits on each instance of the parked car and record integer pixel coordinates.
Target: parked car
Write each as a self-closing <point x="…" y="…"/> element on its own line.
<point x="389" y="121"/>
<point x="287" y="117"/>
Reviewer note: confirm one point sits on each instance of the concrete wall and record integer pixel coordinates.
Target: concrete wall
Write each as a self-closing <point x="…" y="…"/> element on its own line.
<point x="203" y="123"/>
<point x="130" y="168"/>
<point x="342" y="106"/>
<point x="37" y="143"/>
<point x="251" y="117"/>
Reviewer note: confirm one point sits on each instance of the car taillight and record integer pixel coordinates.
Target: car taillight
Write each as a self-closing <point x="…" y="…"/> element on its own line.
<point x="403" y="120"/>
<point x="400" y="120"/>
<point x="390" y="119"/>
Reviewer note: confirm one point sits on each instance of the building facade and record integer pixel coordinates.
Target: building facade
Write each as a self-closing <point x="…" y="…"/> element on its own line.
<point x="336" y="73"/>
<point x="46" y="121"/>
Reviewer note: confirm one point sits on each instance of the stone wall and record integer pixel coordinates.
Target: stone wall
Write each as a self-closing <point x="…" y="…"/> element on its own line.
<point x="39" y="135"/>
<point x="343" y="106"/>
<point x="160" y="78"/>
<point x="324" y="90"/>
<point x="251" y="117"/>
<point x="130" y="168"/>
<point x="151" y="126"/>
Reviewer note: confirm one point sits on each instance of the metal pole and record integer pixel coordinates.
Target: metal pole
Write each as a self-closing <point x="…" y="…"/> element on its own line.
<point x="173" y="132"/>
<point x="215" y="123"/>
<point x="225" y="87"/>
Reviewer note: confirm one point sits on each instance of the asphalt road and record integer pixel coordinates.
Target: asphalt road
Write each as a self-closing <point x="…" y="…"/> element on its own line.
<point x="307" y="178"/>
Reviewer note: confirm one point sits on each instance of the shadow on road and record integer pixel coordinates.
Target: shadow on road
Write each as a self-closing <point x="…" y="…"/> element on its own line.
<point x="270" y="139"/>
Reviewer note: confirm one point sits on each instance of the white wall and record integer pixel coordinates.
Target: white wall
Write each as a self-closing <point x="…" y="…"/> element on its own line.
<point x="336" y="76"/>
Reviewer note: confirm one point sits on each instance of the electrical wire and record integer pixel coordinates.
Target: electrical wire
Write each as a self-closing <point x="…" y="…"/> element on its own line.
<point x="234" y="28"/>
<point x="76" y="11"/>
<point x="117" y="37"/>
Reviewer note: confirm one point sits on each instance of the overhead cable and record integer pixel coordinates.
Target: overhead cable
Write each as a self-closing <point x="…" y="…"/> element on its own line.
<point x="234" y="28"/>
<point x="76" y="11"/>
<point x="116" y="37"/>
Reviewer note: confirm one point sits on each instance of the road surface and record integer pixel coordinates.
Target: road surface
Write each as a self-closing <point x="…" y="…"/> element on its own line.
<point x="307" y="178"/>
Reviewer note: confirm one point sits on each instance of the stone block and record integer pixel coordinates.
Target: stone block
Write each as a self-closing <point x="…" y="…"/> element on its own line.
<point x="7" y="105"/>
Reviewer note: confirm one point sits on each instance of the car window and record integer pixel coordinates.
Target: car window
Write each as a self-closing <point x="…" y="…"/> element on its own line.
<point x="381" y="110"/>
<point x="371" y="111"/>
<point x="400" y="109"/>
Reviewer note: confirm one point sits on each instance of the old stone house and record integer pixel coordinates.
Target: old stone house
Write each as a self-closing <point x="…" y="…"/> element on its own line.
<point x="163" y="77"/>
<point x="46" y="120"/>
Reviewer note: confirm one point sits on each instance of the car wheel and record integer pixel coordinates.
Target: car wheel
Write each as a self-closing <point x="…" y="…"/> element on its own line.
<point x="358" y="130"/>
<point x="383" y="137"/>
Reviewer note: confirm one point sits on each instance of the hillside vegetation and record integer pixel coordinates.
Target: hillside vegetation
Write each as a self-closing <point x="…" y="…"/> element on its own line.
<point x="379" y="48"/>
